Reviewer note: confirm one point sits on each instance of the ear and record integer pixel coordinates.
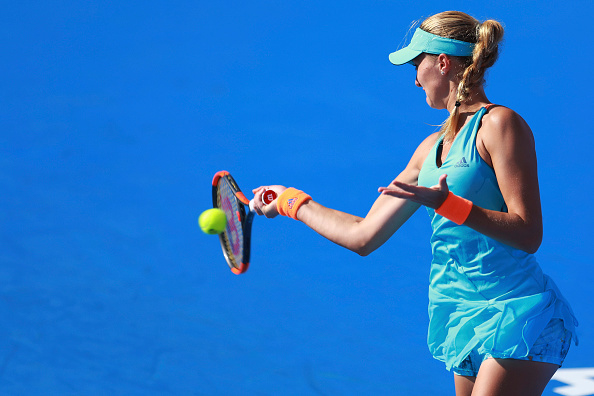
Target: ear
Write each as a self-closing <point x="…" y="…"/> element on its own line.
<point x="444" y="62"/>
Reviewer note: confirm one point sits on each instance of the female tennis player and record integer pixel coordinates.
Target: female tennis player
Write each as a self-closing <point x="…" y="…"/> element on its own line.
<point x="496" y="321"/>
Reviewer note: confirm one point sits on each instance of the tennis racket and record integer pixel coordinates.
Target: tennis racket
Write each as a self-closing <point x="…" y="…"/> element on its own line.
<point x="236" y="239"/>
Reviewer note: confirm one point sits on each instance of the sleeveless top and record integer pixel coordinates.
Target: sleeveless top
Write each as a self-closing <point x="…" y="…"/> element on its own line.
<point x="483" y="295"/>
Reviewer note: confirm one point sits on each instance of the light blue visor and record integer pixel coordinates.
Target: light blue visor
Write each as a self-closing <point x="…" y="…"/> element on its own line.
<point x="431" y="44"/>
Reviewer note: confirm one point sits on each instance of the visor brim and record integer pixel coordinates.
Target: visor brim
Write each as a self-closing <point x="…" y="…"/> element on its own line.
<point x="404" y="55"/>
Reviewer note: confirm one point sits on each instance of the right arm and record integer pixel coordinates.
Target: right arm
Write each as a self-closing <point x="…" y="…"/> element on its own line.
<point x="361" y="235"/>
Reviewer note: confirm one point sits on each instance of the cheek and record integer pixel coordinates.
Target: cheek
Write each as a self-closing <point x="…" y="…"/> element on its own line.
<point x="424" y="79"/>
<point x="420" y="80"/>
<point x="432" y="81"/>
<point x="425" y="74"/>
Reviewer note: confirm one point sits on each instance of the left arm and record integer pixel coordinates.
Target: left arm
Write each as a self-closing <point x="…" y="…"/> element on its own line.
<point x="506" y="143"/>
<point x="509" y="145"/>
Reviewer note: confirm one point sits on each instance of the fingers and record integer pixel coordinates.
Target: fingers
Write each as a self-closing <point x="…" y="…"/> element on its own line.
<point x="405" y="186"/>
<point x="443" y="184"/>
<point x="431" y="197"/>
<point x="401" y="190"/>
<point x="396" y="192"/>
<point x="268" y="210"/>
<point x="444" y="189"/>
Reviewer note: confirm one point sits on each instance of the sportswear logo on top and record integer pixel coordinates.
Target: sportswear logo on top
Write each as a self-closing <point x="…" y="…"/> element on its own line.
<point x="462" y="163"/>
<point x="291" y="202"/>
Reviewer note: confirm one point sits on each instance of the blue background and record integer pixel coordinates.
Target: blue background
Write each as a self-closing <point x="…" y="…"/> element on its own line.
<point x="114" y="118"/>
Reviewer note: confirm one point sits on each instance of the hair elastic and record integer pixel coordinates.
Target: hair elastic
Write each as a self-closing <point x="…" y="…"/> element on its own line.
<point x="289" y="202"/>
<point x="455" y="208"/>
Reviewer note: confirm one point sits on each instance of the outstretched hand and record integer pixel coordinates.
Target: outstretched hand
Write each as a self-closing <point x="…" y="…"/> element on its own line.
<point x="432" y="197"/>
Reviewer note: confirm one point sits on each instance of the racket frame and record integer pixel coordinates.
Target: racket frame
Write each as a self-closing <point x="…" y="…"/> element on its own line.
<point x="245" y="219"/>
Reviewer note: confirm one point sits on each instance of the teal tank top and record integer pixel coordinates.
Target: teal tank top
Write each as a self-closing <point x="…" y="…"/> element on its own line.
<point x="483" y="295"/>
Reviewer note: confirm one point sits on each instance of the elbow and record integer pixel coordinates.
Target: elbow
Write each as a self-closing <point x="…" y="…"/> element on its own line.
<point x="364" y="247"/>
<point x="532" y="241"/>
<point x="532" y="246"/>
<point x="365" y="240"/>
<point x="363" y="251"/>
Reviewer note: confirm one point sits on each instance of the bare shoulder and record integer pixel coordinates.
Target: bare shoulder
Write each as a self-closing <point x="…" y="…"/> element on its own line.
<point x="503" y="131"/>
<point x="501" y="122"/>
<point x="411" y="173"/>
<point x="426" y="145"/>
<point x="423" y="150"/>
<point x="430" y="141"/>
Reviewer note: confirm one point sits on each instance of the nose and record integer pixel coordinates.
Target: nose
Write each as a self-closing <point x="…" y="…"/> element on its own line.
<point x="417" y="83"/>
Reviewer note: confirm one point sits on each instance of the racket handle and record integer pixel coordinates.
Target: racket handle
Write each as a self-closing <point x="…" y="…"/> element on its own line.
<point x="267" y="198"/>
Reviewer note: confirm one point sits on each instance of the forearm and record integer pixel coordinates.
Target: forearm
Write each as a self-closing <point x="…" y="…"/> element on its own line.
<point x="360" y="235"/>
<point x="511" y="229"/>
<point x="339" y="227"/>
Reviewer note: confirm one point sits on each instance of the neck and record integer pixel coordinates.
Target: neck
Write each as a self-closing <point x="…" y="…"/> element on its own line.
<point x="475" y="100"/>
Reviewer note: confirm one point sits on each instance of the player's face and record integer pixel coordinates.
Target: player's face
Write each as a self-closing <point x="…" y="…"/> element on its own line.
<point x="429" y="78"/>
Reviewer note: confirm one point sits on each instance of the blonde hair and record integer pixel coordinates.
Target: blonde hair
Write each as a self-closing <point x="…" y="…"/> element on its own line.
<point x="486" y="36"/>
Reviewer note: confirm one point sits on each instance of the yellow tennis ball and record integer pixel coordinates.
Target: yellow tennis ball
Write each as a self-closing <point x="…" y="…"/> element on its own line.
<point x="213" y="221"/>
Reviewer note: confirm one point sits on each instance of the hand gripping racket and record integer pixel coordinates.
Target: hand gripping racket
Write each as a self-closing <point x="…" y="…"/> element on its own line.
<point x="236" y="238"/>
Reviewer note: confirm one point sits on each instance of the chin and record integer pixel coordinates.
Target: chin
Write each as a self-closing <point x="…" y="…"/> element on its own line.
<point x="430" y="103"/>
<point x="435" y="105"/>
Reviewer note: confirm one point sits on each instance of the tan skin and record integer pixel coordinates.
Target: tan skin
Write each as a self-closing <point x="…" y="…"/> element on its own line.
<point x="505" y="142"/>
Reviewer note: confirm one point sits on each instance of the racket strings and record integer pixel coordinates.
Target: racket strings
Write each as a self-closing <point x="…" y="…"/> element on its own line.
<point x="233" y="236"/>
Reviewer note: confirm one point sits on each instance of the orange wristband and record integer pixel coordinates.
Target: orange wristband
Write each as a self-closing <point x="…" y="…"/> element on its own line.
<point x="455" y="208"/>
<point x="289" y="202"/>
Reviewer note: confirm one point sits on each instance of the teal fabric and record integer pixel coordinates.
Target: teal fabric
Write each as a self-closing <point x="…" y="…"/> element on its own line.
<point x="483" y="295"/>
<point x="423" y="41"/>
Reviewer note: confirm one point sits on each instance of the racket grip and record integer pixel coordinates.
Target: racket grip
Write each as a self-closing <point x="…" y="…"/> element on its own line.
<point x="267" y="197"/>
